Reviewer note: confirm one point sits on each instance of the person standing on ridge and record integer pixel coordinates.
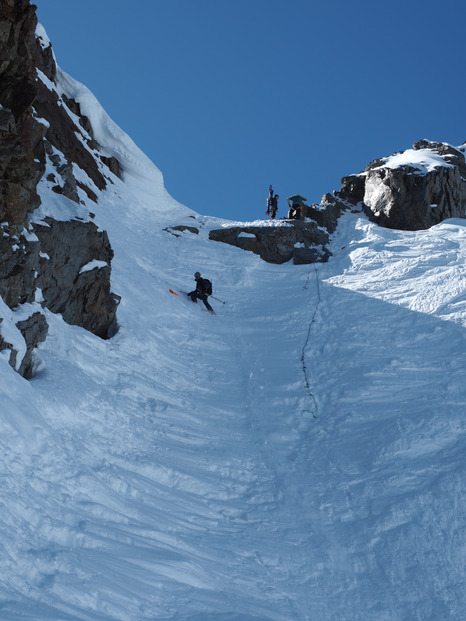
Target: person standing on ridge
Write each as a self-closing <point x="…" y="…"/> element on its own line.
<point x="295" y="204"/>
<point x="202" y="291"/>
<point x="274" y="206"/>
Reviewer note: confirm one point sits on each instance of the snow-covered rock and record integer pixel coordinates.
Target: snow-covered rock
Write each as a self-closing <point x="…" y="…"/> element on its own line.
<point x="414" y="189"/>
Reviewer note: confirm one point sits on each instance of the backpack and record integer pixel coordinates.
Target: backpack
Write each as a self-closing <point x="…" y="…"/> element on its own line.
<point x="208" y="286"/>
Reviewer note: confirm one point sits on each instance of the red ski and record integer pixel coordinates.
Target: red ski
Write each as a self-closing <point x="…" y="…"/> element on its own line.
<point x="212" y="312"/>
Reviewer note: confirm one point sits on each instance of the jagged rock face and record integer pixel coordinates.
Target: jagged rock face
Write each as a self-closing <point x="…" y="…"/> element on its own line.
<point x="21" y="151"/>
<point x="74" y="274"/>
<point x="326" y="214"/>
<point x="404" y="197"/>
<point x="36" y="124"/>
<point x="19" y="259"/>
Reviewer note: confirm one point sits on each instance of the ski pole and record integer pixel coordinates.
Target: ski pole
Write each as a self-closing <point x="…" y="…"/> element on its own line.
<point x="212" y="296"/>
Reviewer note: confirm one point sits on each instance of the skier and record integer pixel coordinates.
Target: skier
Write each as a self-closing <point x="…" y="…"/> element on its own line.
<point x="274" y="206"/>
<point x="202" y="291"/>
<point x="295" y="204"/>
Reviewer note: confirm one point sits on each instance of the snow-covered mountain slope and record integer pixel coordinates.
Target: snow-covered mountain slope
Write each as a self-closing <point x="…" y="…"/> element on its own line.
<point x="298" y="456"/>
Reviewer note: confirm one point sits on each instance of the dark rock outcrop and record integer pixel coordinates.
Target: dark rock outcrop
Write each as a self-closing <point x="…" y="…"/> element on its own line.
<point x="326" y="213"/>
<point x="304" y="242"/>
<point x="34" y="330"/>
<point x="74" y="274"/>
<point x="177" y="231"/>
<point x="30" y="331"/>
<point x="19" y="258"/>
<point x="37" y="125"/>
<point x="412" y="196"/>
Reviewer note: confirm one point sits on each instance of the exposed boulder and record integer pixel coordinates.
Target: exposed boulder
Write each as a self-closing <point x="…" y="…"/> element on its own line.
<point x="22" y="338"/>
<point x="414" y="189"/>
<point x="34" y="331"/>
<point x="179" y="229"/>
<point x="74" y="274"/>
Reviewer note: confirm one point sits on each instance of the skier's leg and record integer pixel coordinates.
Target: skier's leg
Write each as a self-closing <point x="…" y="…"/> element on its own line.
<point x="207" y="305"/>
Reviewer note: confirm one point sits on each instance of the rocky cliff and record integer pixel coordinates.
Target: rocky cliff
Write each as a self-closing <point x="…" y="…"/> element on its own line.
<point x="413" y="189"/>
<point x="60" y="264"/>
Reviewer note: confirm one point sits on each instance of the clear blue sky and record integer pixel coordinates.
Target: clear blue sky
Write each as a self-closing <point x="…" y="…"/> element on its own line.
<point x="228" y="97"/>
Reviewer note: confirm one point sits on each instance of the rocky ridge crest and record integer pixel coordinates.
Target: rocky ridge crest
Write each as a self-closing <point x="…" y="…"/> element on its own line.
<point x="410" y="190"/>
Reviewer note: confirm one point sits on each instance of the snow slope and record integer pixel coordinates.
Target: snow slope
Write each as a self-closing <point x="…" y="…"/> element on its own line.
<point x="299" y="456"/>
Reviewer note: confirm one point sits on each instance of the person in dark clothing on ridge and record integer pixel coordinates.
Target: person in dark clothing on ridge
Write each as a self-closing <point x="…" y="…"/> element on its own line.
<point x="274" y="206"/>
<point x="202" y="291"/>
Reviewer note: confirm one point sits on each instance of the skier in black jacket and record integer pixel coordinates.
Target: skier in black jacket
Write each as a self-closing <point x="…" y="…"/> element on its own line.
<point x="202" y="291"/>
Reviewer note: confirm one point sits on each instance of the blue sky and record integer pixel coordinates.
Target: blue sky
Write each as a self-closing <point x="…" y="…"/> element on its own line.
<point x="228" y="97"/>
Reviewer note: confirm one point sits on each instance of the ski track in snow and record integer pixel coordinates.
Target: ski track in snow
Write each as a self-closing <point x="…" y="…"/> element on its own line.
<point x="182" y="470"/>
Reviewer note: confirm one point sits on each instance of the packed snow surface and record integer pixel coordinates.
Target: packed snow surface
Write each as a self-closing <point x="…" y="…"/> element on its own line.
<point x="299" y="456"/>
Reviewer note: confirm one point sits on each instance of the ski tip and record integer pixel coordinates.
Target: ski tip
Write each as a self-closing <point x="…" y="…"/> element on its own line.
<point x="174" y="292"/>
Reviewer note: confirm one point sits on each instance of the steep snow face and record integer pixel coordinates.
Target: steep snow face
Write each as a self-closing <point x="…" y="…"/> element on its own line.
<point x="112" y="140"/>
<point x="298" y="456"/>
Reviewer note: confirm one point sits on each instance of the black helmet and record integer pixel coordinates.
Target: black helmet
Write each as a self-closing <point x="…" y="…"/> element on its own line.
<point x="197" y="275"/>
